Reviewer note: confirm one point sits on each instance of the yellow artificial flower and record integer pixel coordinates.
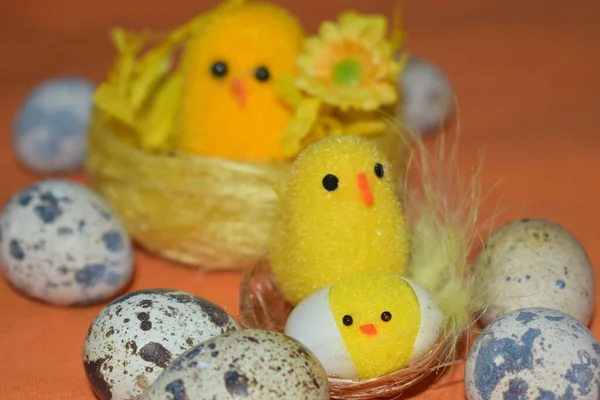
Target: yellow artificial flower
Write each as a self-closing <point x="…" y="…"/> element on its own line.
<point x="350" y="64"/>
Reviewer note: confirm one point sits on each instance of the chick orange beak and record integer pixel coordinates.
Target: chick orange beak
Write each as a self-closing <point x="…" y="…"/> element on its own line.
<point x="365" y="189"/>
<point x="239" y="91"/>
<point x="369" y="329"/>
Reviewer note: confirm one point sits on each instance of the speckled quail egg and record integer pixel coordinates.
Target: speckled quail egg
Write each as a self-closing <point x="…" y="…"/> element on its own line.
<point x="367" y="325"/>
<point x="534" y="353"/>
<point x="136" y="336"/>
<point x="427" y="97"/>
<point x="250" y="364"/>
<point x="534" y="263"/>
<point x="50" y="127"/>
<point x="60" y="243"/>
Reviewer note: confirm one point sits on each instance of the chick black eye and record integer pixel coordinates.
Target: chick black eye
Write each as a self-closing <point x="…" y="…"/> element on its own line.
<point x="330" y="182"/>
<point x="379" y="170"/>
<point x="386" y="316"/>
<point x="219" y="69"/>
<point x="347" y="320"/>
<point x="262" y="74"/>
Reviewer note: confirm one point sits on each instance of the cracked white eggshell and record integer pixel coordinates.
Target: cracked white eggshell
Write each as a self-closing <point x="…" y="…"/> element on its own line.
<point x="431" y="321"/>
<point x="312" y="323"/>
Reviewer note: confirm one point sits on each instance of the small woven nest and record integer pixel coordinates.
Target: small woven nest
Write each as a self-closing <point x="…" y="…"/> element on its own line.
<point x="262" y="306"/>
<point x="206" y="212"/>
<point x="443" y="225"/>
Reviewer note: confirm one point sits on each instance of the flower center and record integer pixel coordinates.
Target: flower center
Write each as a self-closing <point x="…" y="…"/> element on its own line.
<point x="347" y="72"/>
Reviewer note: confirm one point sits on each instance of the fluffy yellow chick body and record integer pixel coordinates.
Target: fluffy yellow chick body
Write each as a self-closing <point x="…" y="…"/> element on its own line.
<point x="230" y="108"/>
<point x="339" y="216"/>
<point x="378" y="316"/>
<point x="367" y="325"/>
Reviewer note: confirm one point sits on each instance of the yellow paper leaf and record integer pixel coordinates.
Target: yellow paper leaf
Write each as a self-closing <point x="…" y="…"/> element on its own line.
<point x="115" y="104"/>
<point x="128" y="45"/>
<point x="300" y="126"/>
<point x="150" y="72"/>
<point x="156" y="125"/>
<point x="286" y="90"/>
<point x="398" y="36"/>
<point x="367" y="128"/>
<point x="402" y="62"/>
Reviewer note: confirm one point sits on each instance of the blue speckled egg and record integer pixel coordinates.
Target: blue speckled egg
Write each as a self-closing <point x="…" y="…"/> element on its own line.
<point x="51" y="125"/>
<point x="534" y="263"/>
<point x="60" y="243"/>
<point x="427" y="97"/>
<point x="534" y="353"/>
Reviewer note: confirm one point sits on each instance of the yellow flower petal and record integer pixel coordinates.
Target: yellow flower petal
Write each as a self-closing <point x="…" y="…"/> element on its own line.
<point x="329" y="31"/>
<point x="387" y="92"/>
<point x="370" y="28"/>
<point x="114" y="103"/>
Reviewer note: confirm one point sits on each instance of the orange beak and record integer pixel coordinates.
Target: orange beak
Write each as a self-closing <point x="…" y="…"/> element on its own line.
<point x="369" y="329"/>
<point x="365" y="189"/>
<point x="239" y="91"/>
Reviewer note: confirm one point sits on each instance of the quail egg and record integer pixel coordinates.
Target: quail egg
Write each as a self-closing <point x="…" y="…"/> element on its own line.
<point x="51" y="125"/>
<point x="427" y="97"/>
<point x="136" y="336"/>
<point x="534" y="263"/>
<point x="61" y="243"/>
<point x="534" y="353"/>
<point x="250" y="364"/>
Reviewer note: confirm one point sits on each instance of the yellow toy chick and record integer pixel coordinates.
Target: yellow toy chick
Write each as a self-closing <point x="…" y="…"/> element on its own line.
<point x="339" y="216"/>
<point x="230" y="108"/>
<point x="368" y="325"/>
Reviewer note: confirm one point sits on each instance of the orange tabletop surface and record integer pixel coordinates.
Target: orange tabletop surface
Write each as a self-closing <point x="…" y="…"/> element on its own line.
<point x="527" y="77"/>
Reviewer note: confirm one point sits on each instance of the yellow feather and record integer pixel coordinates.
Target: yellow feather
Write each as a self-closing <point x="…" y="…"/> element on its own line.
<point x="443" y="213"/>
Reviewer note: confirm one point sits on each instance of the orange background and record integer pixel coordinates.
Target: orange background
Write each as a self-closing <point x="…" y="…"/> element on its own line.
<point x="527" y="76"/>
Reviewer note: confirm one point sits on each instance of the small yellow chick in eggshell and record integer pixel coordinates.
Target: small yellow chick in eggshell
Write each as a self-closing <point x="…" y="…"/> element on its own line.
<point x="339" y="215"/>
<point x="368" y="325"/>
<point x="230" y="107"/>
